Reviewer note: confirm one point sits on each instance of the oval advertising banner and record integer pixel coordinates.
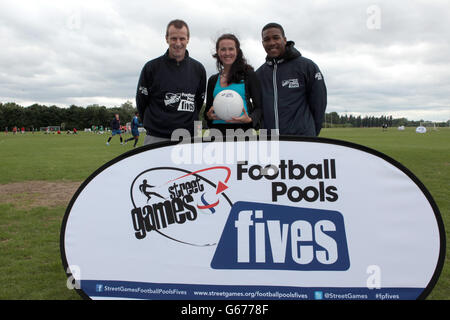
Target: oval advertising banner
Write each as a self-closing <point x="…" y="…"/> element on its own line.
<point x="294" y="218"/>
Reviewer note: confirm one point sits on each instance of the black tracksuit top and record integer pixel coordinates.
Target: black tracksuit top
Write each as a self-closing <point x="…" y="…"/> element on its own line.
<point x="170" y="94"/>
<point x="294" y="94"/>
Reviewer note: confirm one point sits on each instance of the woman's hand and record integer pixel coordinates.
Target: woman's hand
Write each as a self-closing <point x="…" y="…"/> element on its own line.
<point x="242" y="119"/>
<point x="211" y="114"/>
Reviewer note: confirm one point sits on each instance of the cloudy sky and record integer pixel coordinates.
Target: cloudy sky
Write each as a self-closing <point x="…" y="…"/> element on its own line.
<point x="377" y="57"/>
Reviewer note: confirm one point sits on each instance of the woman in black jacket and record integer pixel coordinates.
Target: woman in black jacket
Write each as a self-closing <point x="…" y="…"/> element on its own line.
<point x="234" y="74"/>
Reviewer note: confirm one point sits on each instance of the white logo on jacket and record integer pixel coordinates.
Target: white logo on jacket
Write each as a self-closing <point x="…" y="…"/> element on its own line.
<point x="172" y="98"/>
<point x="291" y="83"/>
<point x="181" y="101"/>
<point x="143" y="90"/>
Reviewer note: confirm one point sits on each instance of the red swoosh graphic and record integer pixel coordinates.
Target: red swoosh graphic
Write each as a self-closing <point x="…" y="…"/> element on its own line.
<point x="221" y="186"/>
<point x="208" y="206"/>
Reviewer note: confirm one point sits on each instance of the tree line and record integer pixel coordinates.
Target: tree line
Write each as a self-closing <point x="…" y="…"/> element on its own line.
<point x="37" y="116"/>
<point x="333" y="119"/>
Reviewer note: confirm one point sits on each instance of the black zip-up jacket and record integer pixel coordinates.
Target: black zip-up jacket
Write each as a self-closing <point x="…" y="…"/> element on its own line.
<point x="252" y="97"/>
<point x="170" y="94"/>
<point x="294" y="94"/>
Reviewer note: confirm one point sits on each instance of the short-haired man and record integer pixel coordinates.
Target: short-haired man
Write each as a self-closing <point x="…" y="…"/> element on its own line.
<point x="294" y="92"/>
<point x="171" y="88"/>
<point x="115" y="129"/>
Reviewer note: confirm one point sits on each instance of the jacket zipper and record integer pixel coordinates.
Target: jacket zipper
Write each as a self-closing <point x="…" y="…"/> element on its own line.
<point x="275" y="95"/>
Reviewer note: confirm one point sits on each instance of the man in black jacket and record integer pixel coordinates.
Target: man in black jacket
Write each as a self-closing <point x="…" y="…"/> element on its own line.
<point x="294" y="92"/>
<point x="171" y="88"/>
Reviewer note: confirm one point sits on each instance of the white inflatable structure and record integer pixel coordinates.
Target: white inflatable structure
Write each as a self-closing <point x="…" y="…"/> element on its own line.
<point x="421" y="129"/>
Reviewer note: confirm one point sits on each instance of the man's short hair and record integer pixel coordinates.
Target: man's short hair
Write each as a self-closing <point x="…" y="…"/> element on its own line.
<point x="273" y="25"/>
<point x="177" y="23"/>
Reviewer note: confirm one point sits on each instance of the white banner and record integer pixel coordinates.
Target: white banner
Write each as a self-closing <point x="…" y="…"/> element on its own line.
<point x="323" y="219"/>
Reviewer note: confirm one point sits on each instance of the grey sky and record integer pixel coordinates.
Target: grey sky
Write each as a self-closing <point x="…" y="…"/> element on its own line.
<point x="377" y="57"/>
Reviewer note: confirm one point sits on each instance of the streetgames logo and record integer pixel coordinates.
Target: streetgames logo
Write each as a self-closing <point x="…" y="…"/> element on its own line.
<point x="181" y="101"/>
<point x="181" y="205"/>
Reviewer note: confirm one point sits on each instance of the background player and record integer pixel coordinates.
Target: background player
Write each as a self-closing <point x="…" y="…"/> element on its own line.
<point x="135" y="124"/>
<point x="115" y="126"/>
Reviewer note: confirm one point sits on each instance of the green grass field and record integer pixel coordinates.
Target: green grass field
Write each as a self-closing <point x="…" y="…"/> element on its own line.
<point x="30" y="263"/>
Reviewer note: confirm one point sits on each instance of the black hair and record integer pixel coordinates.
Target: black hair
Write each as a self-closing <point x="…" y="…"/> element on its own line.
<point x="273" y="25"/>
<point x="240" y="67"/>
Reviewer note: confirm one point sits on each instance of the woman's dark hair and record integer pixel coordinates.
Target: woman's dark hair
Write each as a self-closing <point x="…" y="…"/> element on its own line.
<point x="240" y="67"/>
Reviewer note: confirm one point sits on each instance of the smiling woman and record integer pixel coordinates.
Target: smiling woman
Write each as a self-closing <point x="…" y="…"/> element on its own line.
<point x="237" y="75"/>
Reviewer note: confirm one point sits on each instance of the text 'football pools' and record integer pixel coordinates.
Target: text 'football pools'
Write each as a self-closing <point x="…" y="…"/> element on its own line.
<point x="293" y="173"/>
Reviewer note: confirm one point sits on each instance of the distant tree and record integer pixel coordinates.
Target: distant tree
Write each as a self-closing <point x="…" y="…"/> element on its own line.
<point x="12" y="114"/>
<point x="127" y="111"/>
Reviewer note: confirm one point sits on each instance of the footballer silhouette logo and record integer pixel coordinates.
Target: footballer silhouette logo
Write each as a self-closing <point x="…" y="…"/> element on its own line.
<point x="175" y="203"/>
